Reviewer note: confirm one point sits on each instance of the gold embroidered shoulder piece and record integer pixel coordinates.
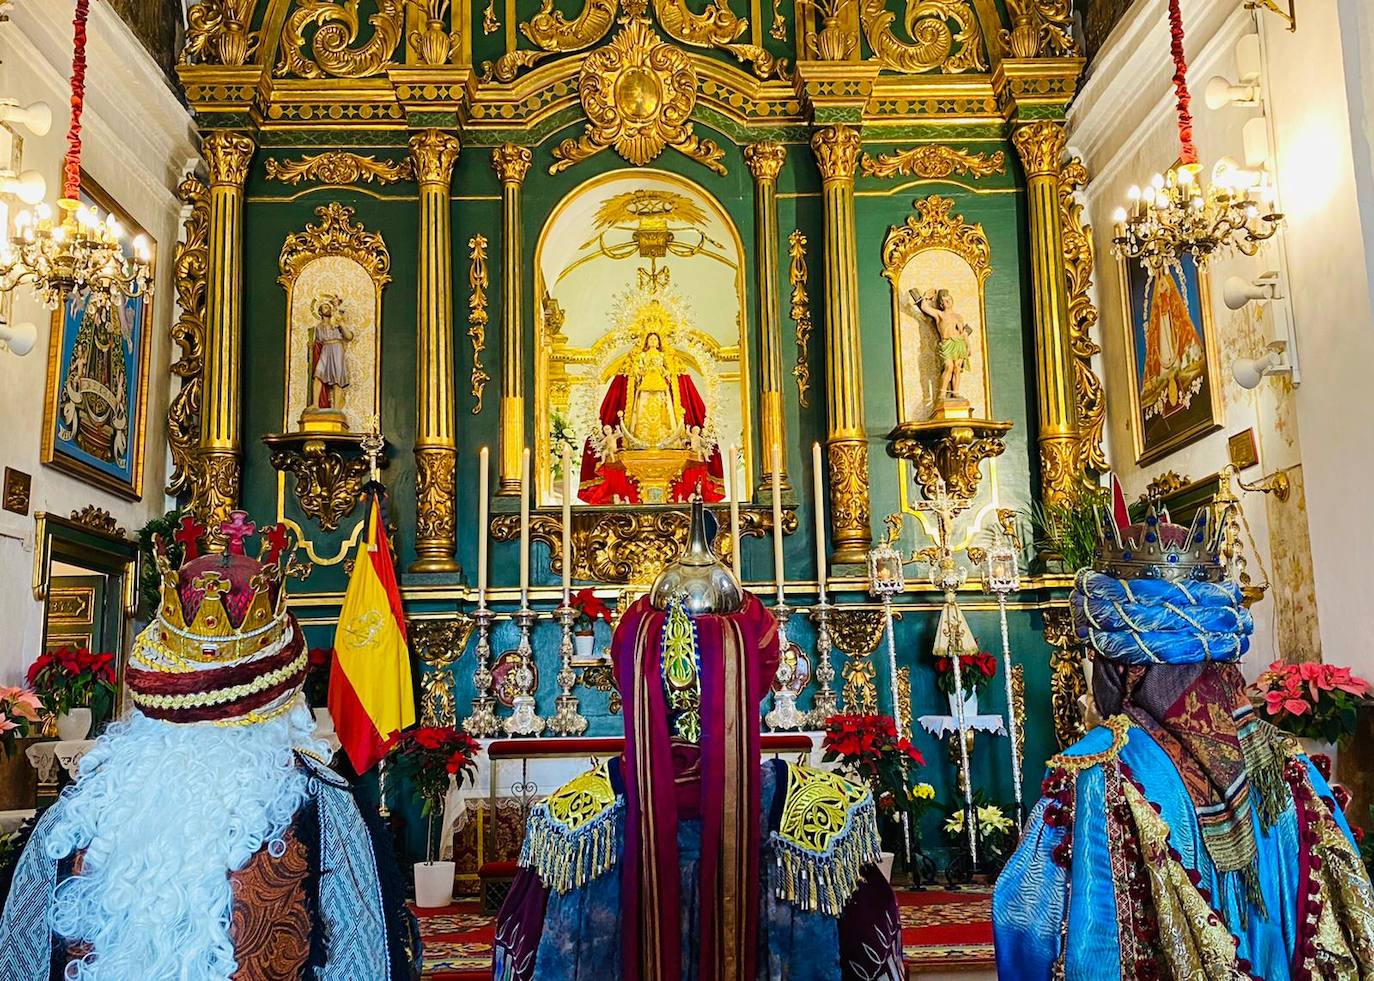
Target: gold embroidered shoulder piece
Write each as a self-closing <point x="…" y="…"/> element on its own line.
<point x="827" y="832"/>
<point x="1119" y="726"/>
<point x="573" y="834"/>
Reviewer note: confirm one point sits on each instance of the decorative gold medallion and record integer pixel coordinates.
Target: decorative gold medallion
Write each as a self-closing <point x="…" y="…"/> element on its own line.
<point x="638" y="94"/>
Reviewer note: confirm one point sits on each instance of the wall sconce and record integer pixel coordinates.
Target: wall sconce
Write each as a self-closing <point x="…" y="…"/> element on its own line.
<point x="1273" y="7"/>
<point x="18" y="339"/>
<point x="35" y="117"/>
<point x="29" y="186"/>
<point x="1249" y="372"/>
<point x="1245" y="92"/>
<point x="1237" y="292"/>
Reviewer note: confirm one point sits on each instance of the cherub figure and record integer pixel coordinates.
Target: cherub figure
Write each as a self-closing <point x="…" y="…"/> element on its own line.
<point x="954" y="332"/>
<point x="697" y="444"/>
<point x="329" y="366"/>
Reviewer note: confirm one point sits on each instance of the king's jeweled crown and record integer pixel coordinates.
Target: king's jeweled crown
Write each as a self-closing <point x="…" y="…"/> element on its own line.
<point x="1155" y="548"/>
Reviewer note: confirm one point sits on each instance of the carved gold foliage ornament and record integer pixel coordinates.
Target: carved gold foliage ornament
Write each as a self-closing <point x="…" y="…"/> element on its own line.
<point x="477" y="316"/>
<point x="836" y="149"/>
<point x="335" y="48"/>
<point x="1040" y="28"/>
<point x="848" y="461"/>
<point x="800" y="313"/>
<point x="340" y="167"/>
<point x="552" y="33"/>
<point x="490" y="22"/>
<point x="933" y="161"/>
<point x="215" y="492"/>
<point x="227" y="157"/>
<point x="511" y="163"/>
<point x="336" y="234"/>
<point x="439" y="644"/>
<point x="860" y="692"/>
<point x="1061" y="474"/>
<point x="328" y="484"/>
<point x="434" y="495"/>
<point x="944" y="35"/>
<point x="1079" y="257"/>
<point x="217" y="32"/>
<point x="716" y="27"/>
<point x="1040" y="145"/>
<point x="936" y="226"/>
<point x="1169" y="482"/>
<point x="188" y="334"/>
<point x="435" y="43"/>
<point x="1067" y="684"/>
<point x="638" y="94"/>
<point x="97" y="519"/>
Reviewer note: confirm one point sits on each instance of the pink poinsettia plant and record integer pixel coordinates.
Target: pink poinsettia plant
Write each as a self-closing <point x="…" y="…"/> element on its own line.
<point x="20" y="711"/>
<point x="1312" y="700"/>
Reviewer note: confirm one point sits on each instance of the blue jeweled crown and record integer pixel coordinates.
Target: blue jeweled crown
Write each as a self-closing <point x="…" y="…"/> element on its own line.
<point x="1155" y="548"/>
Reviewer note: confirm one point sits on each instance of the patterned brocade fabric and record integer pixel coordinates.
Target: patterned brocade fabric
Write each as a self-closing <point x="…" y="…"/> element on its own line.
<point x="271" y="920"/>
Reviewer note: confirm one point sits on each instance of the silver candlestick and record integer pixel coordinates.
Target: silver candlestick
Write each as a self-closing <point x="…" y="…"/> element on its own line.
<point x="886" y="578"/>
<point x="823" y="704"/>
<point x="1001" y="576"/>
<point x="567" y="719"/>
<point x="482" y="722"/>
<point x="524" y="720"/>
<point x="784" y="714"/>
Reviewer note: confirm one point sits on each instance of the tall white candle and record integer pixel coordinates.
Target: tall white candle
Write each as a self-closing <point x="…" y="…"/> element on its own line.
<point x="733" y="492"/>
<point x="818" y="504"/>
<point x="483" y="513"/>
<point x="567" y="523"/>
<point x="777" y="520"/>
<point x="525" y="528"/>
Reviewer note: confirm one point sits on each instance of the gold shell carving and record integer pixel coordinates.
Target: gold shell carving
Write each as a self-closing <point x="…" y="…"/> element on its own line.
<point x="858" y="632"/>
<point x="1079" y="256"/>
<point x="944" y="35"/>
<point x="800" y="313"/>
<point x="189" y="263"/>
<point x="477" y="316"/>
<point x="336" y="234"/>
<point x="936" y="228"/>
<point x="340" y="167"/>
<point x="337" y="29"/>
<point x="933" y="161"/>
<point x="638" y="94"/>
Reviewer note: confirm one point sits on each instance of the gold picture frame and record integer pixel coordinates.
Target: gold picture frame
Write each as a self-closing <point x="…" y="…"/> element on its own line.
<point x="1186" y="423"/>
<point x="67" y="453"/>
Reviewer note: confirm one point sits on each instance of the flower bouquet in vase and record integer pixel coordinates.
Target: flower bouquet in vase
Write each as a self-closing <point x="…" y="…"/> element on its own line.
<point x="1319" y="703"/>
<point x="995" y="828"/>
<point x="428" y="760"/>
<point x="870" y="751"/>
<point x="316" y="688"/>
<point x="589" y="610"/>
<point x="976" y="670"/>
<point x="20" y="715"/>
<point x="76" y="687"/>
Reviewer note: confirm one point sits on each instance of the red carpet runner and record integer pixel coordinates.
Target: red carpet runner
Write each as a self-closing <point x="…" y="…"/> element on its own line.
<point x="948" y="930"/>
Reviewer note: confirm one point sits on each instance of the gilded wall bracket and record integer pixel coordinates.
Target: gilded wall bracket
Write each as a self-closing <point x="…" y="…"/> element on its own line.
<point x="950" y="451"/>
<point x="330" y="470"/>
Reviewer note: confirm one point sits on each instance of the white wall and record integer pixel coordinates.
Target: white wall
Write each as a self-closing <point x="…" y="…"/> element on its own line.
<point x="137" y="139"/>
<point x="1124" y="124"/>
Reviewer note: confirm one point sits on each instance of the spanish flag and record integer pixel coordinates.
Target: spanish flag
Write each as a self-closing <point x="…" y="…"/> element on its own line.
<point x="370" y="694"/>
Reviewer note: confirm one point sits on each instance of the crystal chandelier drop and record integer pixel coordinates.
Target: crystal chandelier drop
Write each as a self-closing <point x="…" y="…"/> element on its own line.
<point x="73" y="249"/>
<point x="1177" y="213"/>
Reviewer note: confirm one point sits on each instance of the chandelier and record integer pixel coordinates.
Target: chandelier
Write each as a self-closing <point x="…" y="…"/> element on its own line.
<point x="1177" y="213"/>
<point x="73" y="250"/>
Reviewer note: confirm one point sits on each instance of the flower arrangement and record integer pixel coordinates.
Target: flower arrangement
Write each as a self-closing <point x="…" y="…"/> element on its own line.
<point x="994" y="827"/>
<point x="319" y="662"/>
<point x="1312" y="700"/>
<point x="65" y="679"/>
<point x="977" y="670"/>
<point x="20" y="709"/>
<point x="869" y="748"/>
<point x="589" y="609"/>
<point x="428" y="758"/>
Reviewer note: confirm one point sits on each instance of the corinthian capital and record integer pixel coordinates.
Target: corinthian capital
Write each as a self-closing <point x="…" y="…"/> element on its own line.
<point x="1041" y="147"/>
<point x="837" y="150"/>
<point x="227" y="155"/>
<point x="765" y="159"/>
<point x="434" y="152"/>
<point x="511" y="163"/>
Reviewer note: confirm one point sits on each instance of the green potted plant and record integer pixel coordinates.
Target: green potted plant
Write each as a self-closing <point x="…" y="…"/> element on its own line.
<point x="75" y="686"/>
<point x="428" y="760"/>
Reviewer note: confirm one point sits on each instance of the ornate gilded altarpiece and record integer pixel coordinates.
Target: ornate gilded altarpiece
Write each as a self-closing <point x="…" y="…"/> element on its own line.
<point x="692" y="202"/>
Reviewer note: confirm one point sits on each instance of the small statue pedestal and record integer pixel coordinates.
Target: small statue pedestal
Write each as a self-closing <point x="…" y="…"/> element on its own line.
<point x="948" y="449"/>
<point x="330" y="467"/>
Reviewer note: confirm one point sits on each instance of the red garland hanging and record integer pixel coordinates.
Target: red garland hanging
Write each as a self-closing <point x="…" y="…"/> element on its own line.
<point x="71" y="184"/>
<point x="1187" y="152"/>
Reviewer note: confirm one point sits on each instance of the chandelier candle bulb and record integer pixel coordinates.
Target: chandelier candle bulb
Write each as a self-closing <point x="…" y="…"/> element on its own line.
<point x="567" y="524"/>
<point x="525" y="528"/>
<point x="733" y="484"/>
<point x="818" y="502"/>
<point x="483" y="504"/>
<point x="777" y="521"/>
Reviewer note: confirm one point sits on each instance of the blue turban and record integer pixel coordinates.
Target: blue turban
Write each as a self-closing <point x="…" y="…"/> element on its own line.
<point x="1154" y="621"/>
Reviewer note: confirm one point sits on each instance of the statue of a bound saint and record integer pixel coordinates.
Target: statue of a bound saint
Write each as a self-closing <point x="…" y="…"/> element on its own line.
<point x="937" y="305"/>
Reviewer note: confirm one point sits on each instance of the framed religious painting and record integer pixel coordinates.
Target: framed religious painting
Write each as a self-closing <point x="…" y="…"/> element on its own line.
<point x="1172" y="349"/>
<point x="97" y="395"/>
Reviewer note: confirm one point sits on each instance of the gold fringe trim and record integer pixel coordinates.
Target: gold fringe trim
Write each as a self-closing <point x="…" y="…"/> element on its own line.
<point x="567" y="859"/>
<point x="822" y="882"/>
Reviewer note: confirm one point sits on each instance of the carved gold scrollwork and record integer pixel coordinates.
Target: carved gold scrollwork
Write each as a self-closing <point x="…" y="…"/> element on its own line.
<point x="949" y="452"/>
<point x="933" y="161"/>
<point x="439" y="644"/>
<point x="1067" y="684"/>
<point x="1078" y="266"/>
<point x="800" y="313"/>
<point x="937" y="227"/>
<point x="336" y="234"/>
<point x="97" y="518"/>
<point x="715" y="27"/>
<point x="550" y="31"/>
<point x="638" y="94"/>
<point x="340" y="167"/>
<point x="434" y="493"/>
<point x="1040" y="28"/>
<point x="188" y="334"/>
<point x="337" y="30"/>
<point x="216" y="490"/>
<point x="944" y="34"/>
<point x="477" y="316"/>
<point x="217" y="33"/>
<point x="849" y="510"/>
<point x="329" y="484"/>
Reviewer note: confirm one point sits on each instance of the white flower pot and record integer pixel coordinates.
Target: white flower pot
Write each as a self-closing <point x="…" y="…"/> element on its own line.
<point x="324" y="722"/>
<point x="885" y="861"/>
<point x="75" y="724"/>
<point x="584" y="645"/>
<point x="1312" y="747"/>
<point x="970" y="705"/>
<point x="433" y="884"/>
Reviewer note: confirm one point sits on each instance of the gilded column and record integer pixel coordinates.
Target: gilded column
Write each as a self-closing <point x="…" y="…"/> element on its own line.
<point x="837" y="149"/>
<point x="215" y="490"/>
<point x="765" y="162"/>
<point x="436" y="451"/>
<point x="511" y="164"/>
<point x="1041" y="148"/>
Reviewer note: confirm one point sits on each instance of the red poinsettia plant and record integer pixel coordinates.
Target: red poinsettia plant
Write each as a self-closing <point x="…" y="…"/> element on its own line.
<point x="1312" y="700"/>
<point x="69" y="678"/>
<point x="589" y="610"/>
<point x="426" y="759"/>
<point x="20" y="712"/>
<point x="976" y="671"/>
<point x="318" y="662"/>
<point x="871" y="750"/>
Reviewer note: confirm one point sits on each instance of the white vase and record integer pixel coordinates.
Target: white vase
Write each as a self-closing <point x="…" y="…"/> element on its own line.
<point x="433" y="884"/>
<point x="324" y="722"/>
<point x="885" y="860"/>
<point x="970" y="705"/>
<point x="1313" y="747"/>
<point x="584" y="645"/>
<point x="75" y="724"/>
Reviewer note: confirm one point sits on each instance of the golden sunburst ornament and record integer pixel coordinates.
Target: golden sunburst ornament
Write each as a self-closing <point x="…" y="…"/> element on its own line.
<point x="638" y="94"/>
